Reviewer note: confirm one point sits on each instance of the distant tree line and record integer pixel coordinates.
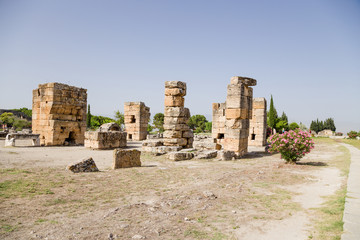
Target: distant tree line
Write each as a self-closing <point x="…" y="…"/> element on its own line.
<point x="318" y="126"/>
<point x="280" y="124"/>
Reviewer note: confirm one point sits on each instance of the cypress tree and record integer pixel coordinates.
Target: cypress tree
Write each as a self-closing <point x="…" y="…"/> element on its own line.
<point x="272" y="115"/>
<point x="88" y="117"/>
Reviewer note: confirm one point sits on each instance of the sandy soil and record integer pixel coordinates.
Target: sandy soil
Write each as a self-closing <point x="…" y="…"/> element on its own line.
<point x="258" y="197"/>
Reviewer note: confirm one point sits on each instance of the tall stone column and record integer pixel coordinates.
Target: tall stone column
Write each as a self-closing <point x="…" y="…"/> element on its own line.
<point x="238" y="112"/>
<point x="257" y="136"/>
<point x="177" y="132"/>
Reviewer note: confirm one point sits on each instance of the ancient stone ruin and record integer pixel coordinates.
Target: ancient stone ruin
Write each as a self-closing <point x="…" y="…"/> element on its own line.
<point x="176" y="131"/>
<point x="108" y="136"/>
<point x="85" y="165"/>
<point x="136" y="118"/>
<point x="257" y="135"/>
<point x="231" y="119"/>
<point x="59" y="114"/>
<point x="126" y="158"/>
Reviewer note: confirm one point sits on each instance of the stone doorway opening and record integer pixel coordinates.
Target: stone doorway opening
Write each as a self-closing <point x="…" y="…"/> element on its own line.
<point x="71" y="139"/>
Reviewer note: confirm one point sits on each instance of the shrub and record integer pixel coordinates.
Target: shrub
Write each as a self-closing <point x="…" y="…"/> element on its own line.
<point x="292" y="145"/>
<point x="352" y="134"/>
<point x="293" y="126"/>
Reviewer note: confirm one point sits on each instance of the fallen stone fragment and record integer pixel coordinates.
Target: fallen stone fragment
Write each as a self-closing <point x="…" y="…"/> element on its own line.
<point x="180" y="156"/>
<point x="126" y="158"/>
<point x="86" y="165"/>
<point x="207" y="154"/>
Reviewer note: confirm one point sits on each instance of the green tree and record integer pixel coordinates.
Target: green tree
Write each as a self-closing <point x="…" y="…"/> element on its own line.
<point x="197" y="123"/>
<point x="97" y="121"/>
<point x="293" y="126"/>
<point x="158" y="121"/>
<point x="284" y="117"/>
<point x="272" y="115"/>
<point x="149" y="128"/>
<point x="208" y="127"/>
<point x="281" y="126"/>
<point x="7" y="118"/>
<point x="119" y="119"/>
<point x="25" y="110"/>
<point x="88" y="117"/>
<point x="330" y="124"/>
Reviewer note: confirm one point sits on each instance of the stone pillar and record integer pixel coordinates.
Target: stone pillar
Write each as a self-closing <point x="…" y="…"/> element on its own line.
<point x="136" y="118"/>
<point x="257" y="136"/>
<point x="237" y="113"/>
<point x="177" y="132"/>
<point x="59" y="114"/>
<point x="218" y="121"/>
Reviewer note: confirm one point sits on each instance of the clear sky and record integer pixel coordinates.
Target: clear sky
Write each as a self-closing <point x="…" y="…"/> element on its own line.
<point x="305" y="53"/>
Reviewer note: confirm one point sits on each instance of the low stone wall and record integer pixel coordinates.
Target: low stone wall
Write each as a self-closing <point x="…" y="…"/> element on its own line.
<point x="105" y="140"/>
<point x="126" y="158"/>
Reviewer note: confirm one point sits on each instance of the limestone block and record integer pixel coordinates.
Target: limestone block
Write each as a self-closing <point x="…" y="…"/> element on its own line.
<point x="188" y="134"/>
<point x="85" y="165"/>
<point x="175" y="84"/>
<point x="243" y="80"/>
<point x="126" y="158"/>
<point x="174" y="121"/>
<point x="180" y="156"/>
<point x="172" y="134"/>
<point x="237" y="123"/>
<point x="175" y="141"/>
<point x="176" y="127"/>
<point x="175" y="92"/>
<point x="207" y="154"/>
<point x="237" y="133"/>
<point x="176" y="112"/>
<point x="174" y="101"/>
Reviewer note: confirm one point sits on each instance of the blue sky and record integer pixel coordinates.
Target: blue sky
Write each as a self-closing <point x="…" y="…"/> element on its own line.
<point x="305" y="53"/>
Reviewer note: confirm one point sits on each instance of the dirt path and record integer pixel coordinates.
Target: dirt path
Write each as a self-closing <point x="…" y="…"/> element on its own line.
<point x="252" y="198"/>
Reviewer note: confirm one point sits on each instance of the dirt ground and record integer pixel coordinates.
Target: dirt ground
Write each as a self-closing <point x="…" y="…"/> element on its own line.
<point x="257" y="197"/>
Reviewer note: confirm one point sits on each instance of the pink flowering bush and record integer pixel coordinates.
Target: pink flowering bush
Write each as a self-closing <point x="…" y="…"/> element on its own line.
<point x="292" y="145"/>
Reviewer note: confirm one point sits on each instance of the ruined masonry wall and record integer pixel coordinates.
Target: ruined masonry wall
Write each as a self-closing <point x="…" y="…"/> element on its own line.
<point x="136" y="118"/>
<point x="176" y="131"/>
<point x="257" y="135"/>
<point x="59" y="114"/>
<point x="231" y="119"/>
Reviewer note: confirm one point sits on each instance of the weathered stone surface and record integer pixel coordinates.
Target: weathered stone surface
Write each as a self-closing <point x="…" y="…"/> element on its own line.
<point x="11" y="138"/>
<point x="226" y="155"/>
<point x="105" y="140"/>
<point x="153" y="143"/>
<point x="207" y="154"/>
<point x="243" y="80"/>
<point x="85" y="165"/>
<point x="126" y="158"/>
<point x="161" y="149"/>
<point x="136" y="118"/>
<point x="180" y="156"/>
<point x="106" y="127"/>
<point x="176" y="133"/>
<point x="59" y="114"/>
<point x="257" y="134"/>
<point x="205" y="143"/>
<point x="231" y="119"/>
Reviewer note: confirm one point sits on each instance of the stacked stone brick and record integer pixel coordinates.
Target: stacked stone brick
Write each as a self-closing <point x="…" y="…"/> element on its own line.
<point x="218" y="123"/>
<point x="257" y="136"/>
<point x="231" y="119"/>
<point x="108" y="136"/>
<point x="136" y="117"/>
<point x="176" y="130"/>
<point x="59" y="114"/>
